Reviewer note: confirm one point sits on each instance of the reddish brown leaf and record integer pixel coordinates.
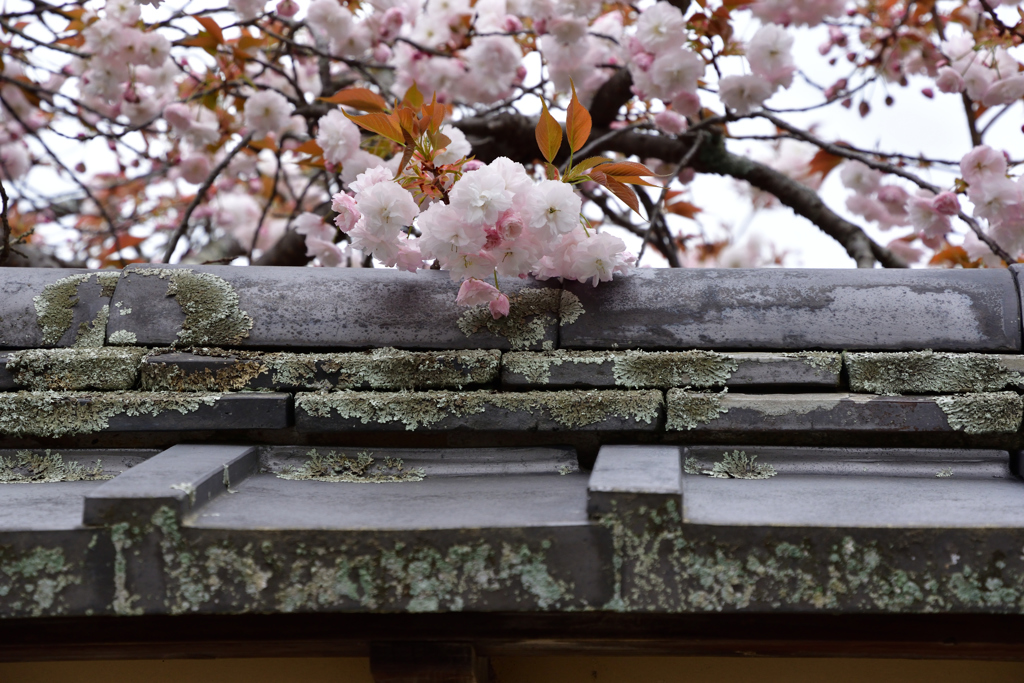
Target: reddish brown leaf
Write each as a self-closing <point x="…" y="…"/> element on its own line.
<point x="309" y="147"/>
<point x="358" y="98"/>
<point x="577" y="122"/>
<point x="683" y="208"/>
<point x="823" y="163"/>
<point x="204" y="40"/>
<point x="626" y="168"/>
<point x="77" y="40"/>
<point x="625" y="193"/>
<point x="549" y="134"/>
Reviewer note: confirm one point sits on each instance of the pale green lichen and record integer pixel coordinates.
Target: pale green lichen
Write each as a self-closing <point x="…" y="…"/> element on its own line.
<point x="122" y="539"/>
<point x="362" y="469"/>
<point x="631" y="369"/>
<point x="384" y="368"/>
<point x="739" y="465"/>
<point x="691" y="466"/>
<point x="210" y="305"/>
<point x="945" y="473"/>
<point x="92" y="335"/>
<point x="927" y="372"/>
<point x="34" y="580"/>
<point x="531" y="313"/>
<point x="108" y="282"/>
<point x="55" y="414"/>
<point x="377" y="575"/>
<point x="689" y="409"/>
<point x="27" y="467"/>
<point x="825" y="361"/>
<point x="123" y="338"/>
<point x="570" y="409"/>
<point x="668" y="369"/>
<point x="662" y="565"/>
<point x="188" y="489"/>
<point x="103" y="369"/>
<point x="53" y="307"/>
<point x="998" y="412"/>
<point x="535" y="366"/>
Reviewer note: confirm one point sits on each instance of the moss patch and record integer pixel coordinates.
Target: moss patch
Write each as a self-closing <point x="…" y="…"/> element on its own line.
<point x="28" y="467"/>
<point x="689" y="409"/>
<point x="998" y="412"/>
<point x="631" y="369"/>
<point x="56" y="414"/>
<point x="103" y="369"/>
<point x="570" y="409"/>
<point x="927" y="372"/>
<point x="362" y="469"/>
<point x="210" y="305"/>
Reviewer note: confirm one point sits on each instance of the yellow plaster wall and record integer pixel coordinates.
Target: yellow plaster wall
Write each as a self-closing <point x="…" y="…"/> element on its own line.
<point x="530" y="670"/>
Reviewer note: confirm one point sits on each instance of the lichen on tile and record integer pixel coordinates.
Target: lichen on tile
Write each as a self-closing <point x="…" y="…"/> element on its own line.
<point x="690" y="409"/>
<point x="75" y="369"/>
<point x="927" y="372"/>
<point x="55" y="414"/>
<point x="210" y="305"/>
<point x="363" y="468"/>
<point x="570" y="408"/>
<point x="531" y="312"/>
<point x="984" y="413"/>
<point x="29" y="467"/>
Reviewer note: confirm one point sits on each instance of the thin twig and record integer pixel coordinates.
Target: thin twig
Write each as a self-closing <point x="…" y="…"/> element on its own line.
<point x="172" y="243"/>
<point x="656" y="215"/>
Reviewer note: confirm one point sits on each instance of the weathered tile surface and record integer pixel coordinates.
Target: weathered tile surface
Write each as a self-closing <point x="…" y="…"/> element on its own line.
<point x="595" y="410"/>
<point x="182" y="478"/>
<point x="56" y="414"/>
<point x="799" y="310"/>
<point x="6" y="378"/>
<point x="929" y="372"/>
<point x="219" y="370"/>
<point x="342" y="308"/>
<point x="54" y="307"/>
<point x="666" y="369"/>
<point x="991" y="413"/>
<point x="633" y="476"/>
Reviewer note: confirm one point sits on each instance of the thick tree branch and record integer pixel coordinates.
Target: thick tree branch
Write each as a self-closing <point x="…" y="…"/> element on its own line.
<point x="5" y="244"/>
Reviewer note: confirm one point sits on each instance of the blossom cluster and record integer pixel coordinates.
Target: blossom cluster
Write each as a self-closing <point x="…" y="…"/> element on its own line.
<point x="497" y="222"/>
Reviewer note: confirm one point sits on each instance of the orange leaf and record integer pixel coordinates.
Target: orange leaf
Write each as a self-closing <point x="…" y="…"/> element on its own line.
<point x="549" y="134"/>
<point x="434" y="114"/>
<point x="211" y="26"/>
<point x="633" y="180"/>
<point x="382" y="124"/>
<point x="309" y="147"/>
<point x="413" y="97"/>
<point x="408" y="121"/>
<point x="203" y="40"/>
<point x="681" y="208"/>
<point x="577" y="122"/>
<point x="590" y="162"/>
<point x="358" y="98"/>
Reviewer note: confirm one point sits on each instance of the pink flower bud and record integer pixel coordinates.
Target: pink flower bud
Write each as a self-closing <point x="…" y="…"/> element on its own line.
<point x="928" y="92"/>
<point x="499" y="307"/>
<point x="540" y="27"/>
<point x="512" y="24"/>
<point x="287" y="8"/>
<point x="947" y="203"/>
<point x="472" y="165"/>
<point x="643" y="60"/>
<point x="686" y="175"/>
<point x="381" y="53"/>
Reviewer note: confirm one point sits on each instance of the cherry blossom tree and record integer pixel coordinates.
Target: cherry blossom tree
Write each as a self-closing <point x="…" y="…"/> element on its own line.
<point x="493" y="138"/>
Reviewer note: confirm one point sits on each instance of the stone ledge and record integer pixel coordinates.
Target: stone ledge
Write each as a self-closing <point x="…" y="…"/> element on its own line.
<point x="990" y="413"/>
